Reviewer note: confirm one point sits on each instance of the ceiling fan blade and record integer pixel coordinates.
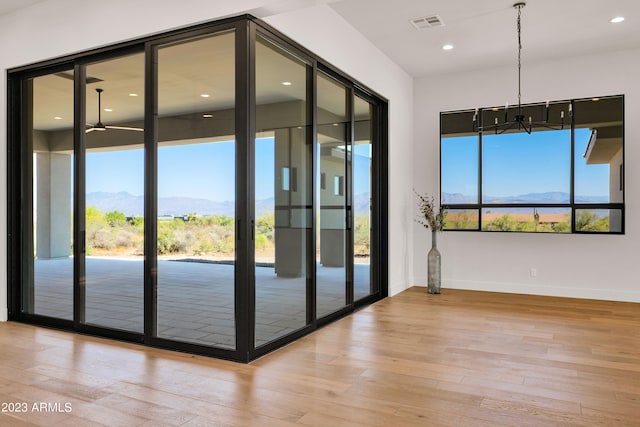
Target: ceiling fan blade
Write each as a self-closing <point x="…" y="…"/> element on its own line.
<point x="90" y="130"/>
<point x="125" y="128"/>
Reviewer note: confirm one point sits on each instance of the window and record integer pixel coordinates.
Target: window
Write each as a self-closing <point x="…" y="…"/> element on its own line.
<point x="562" y="179"/>
<point x="338" y="185"/>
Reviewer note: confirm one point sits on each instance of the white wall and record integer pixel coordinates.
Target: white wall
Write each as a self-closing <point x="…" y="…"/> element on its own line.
<point x="59" y="27"/>
<point x="584" y="266"/>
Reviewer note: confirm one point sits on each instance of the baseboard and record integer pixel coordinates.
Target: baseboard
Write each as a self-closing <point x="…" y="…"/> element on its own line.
<point x="546" y="290"/>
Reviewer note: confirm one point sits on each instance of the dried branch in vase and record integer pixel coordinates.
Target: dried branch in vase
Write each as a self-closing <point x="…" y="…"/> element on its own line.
<point x="430" y="217"/>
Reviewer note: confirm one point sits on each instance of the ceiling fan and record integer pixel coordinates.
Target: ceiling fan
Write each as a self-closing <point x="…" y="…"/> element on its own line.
<point x="101" y="126"/>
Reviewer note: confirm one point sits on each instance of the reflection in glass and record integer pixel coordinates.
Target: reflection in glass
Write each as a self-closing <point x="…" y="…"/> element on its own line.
<point x="114" y="206"/>
<point x="196" y="191"/>
<point x="333" y="152"/>
<point x="534" y="220"/>
<point x="50" y="291"/>
<point x="361" y="163"/>
<point x="462" y="219"/>
<point x="283" y="201"/>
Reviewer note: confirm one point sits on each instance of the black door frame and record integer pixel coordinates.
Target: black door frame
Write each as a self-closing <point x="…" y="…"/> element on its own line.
<point x="20" y="187"/>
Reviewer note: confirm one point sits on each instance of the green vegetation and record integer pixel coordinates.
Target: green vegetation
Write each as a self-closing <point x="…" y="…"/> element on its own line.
<point x="508" y="222"/>
<point x="362" y="238"/>
<point x="112" y="233"/>
<point x="461" y="221"/>
<point x="585" y="221"/>
<point x="590" y="221"/>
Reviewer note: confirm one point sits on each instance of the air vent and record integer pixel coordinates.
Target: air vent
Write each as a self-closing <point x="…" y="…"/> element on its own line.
<point x="427" y="22"/>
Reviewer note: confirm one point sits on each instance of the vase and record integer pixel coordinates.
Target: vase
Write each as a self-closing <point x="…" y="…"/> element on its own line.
<point x="433" y="266"/>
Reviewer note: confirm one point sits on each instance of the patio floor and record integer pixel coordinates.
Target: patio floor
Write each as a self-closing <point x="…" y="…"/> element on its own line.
<point x="195" y="299"/>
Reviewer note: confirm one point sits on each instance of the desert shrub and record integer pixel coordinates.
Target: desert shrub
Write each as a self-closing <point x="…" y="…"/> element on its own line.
<point x="93" y="215"/>
<point x="115" y="218"/>
<point x="126" y="237"/>
<point x="361" y="232"/>
<point x="103" y="238"/>
<point x="562" y="227"/>
<point x="265" y="225"/>
<point x="166" y="241"/>
<point x="591" y="221"/>
<point x="504" y="223"/>
<point x="261" y="241"/>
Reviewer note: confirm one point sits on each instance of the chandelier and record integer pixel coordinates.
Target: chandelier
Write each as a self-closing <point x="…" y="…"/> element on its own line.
<point x="519" y="120"/>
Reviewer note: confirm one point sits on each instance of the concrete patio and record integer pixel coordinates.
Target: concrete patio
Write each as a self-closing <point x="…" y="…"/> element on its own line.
<point x="195" y="299"/>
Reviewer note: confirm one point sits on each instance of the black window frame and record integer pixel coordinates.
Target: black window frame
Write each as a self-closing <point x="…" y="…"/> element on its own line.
<point x="572" y="205"/>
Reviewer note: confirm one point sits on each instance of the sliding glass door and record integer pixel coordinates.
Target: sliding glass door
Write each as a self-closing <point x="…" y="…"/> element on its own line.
<point x="364" y="135"/>
<point x="48" y="288"/>
<point x="196" y="209"/>
<point x="333" y="151"/>
<point x="114" y="193"/>
<point x="283" y="193"/>
<point x="210" y="190"/>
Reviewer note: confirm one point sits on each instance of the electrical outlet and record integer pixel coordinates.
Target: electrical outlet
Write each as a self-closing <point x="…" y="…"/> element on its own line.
<point x="533" y="272"/>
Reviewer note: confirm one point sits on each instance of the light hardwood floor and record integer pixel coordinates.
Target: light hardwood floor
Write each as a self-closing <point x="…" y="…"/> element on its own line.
<point x="461" y="358"/>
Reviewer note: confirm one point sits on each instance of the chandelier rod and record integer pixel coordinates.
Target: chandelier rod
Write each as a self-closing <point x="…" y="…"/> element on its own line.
<point x="519" y="6"/>
<point x="519" y="122"/>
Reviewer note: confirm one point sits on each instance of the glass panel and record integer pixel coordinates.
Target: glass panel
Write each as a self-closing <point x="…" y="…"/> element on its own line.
<point x="361" y="162"/>
<point x="196" y="191"/>
<point x="462" y="219"/>
<point x="535" y="220"/>
<point x="332" y="154"/>
<point x="599" y="220"/>
<point x="115" y="193"/>
<point x="459" y="160"/>
<point x="598" y="150"/>
<point x="283" y="224"/>
<point x="50" y="291"/>
<point x="526" y="168"/>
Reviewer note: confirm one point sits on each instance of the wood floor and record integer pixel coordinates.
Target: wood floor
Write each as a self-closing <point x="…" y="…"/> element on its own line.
<point x="461" y="358"/>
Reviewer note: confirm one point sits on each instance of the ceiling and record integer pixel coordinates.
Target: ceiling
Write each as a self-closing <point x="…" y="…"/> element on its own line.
<point x="483" y="32"/>
<point x="8" y="6"/>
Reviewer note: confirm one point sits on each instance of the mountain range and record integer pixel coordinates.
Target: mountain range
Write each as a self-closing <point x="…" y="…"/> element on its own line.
<point x="550" y="197"/>
<point x="133" y="205"/>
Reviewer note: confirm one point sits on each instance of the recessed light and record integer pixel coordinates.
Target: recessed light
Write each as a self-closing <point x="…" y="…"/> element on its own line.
<point x="617" y="19"/>
<point x="205" y="95"/>
<point x="133" y="94"/>
<point x="286" y="83"/>
<point x="108" y="110"/>
<point x="57" y="118"/>
<point x="447" y="47"/>
<point x="207" y="116"/>
<point x="595" y="99"/>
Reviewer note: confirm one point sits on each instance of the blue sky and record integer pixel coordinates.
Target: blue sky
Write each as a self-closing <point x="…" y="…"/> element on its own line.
<point x="519" y="163"/>
<point x="204" y="171"/>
